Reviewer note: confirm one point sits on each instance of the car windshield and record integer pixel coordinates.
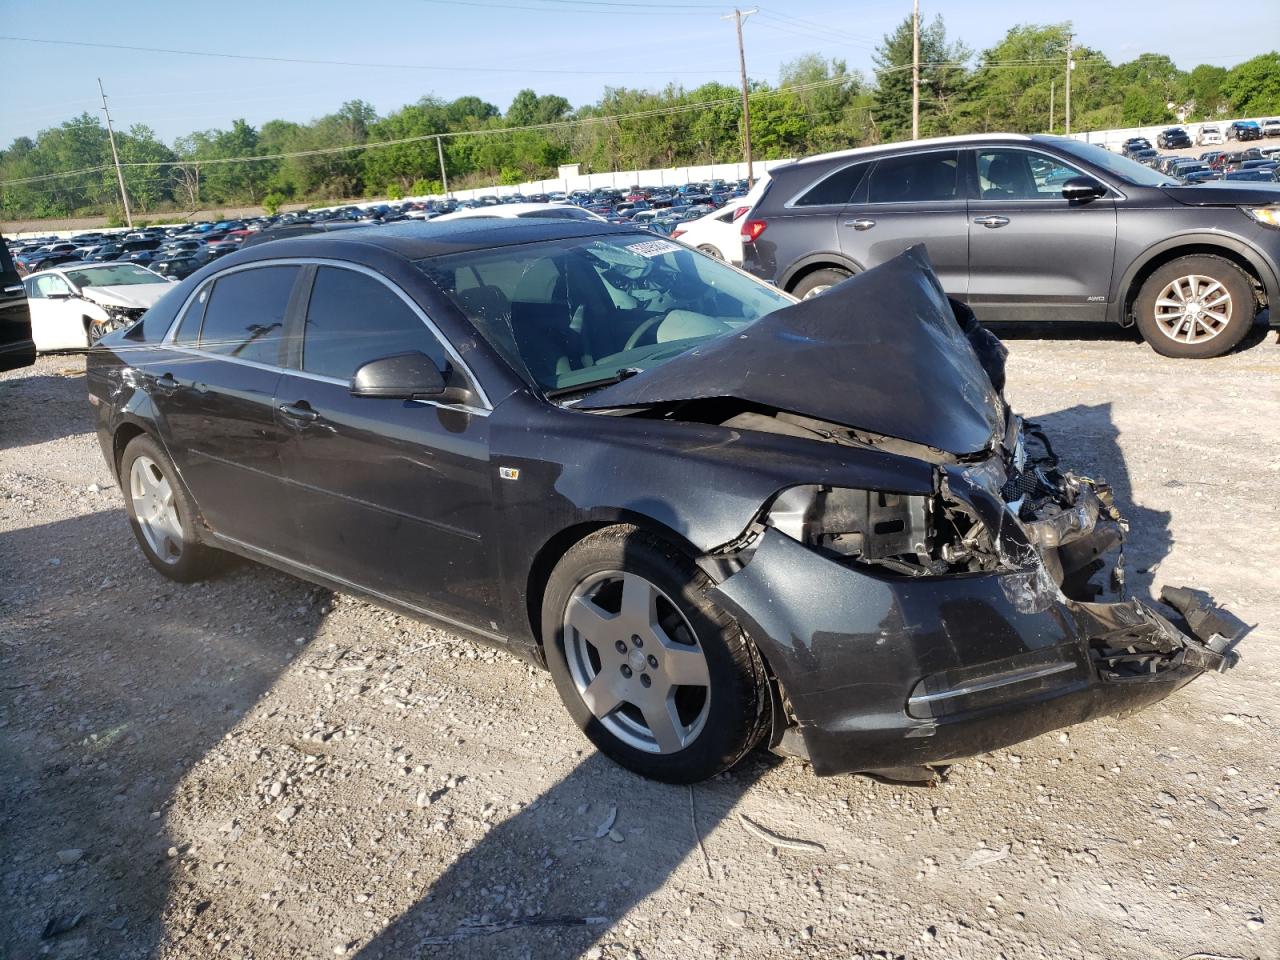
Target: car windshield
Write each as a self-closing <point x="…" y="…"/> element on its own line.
<point x="1130" y="171"/>
<point x="575" y="313"/>
<point x="115" y="275"/>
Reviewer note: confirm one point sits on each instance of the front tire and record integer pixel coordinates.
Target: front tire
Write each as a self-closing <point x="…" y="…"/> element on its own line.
<point x="162" y="513"/>
<point x="818" y="282"/>
<point x="1195" y="307"/>
<point x="659" y="678"/>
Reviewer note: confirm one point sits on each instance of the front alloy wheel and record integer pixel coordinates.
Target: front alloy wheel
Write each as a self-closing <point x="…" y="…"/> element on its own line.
<point x="656" y="675"/>
<point x="636" y="662"/>
<point x="1193" y="309"/>
<point x="1196" y="307"/>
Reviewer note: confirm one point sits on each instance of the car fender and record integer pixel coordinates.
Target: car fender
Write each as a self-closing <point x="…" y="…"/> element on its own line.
<point x="825" y="258"/>
<point x="1265" y="268"/>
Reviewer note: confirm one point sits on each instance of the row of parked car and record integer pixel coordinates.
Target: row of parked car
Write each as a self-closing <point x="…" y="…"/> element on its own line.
<point x="1259" y="164"/>
<point x="1213" y="134"/>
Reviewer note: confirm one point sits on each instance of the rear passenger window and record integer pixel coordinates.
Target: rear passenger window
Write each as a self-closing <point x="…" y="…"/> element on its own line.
<point x="916" y="178"/>
<point x="353" y="318"/>
<point x="244" y="317"/>
<point x="837" y="188"/>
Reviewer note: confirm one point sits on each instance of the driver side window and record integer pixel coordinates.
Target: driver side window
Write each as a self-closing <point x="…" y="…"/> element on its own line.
<point x="1021" y="175"/>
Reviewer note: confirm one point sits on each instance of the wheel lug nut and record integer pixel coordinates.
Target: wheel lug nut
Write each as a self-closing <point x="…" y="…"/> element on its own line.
<point x="637" y="641"/>
<point x="622" y="647"/>
<point x="626" y="671"/>
<point x="645" y="681"/>
<point x="653" y="661"/>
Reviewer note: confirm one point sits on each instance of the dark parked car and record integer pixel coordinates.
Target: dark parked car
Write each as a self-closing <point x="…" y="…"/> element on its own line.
<point x="1244" y="130"/>
<point x="505" y="428"/>
<point x="1102" y="239"/>
<point x="17" y="349"/>
<point x="1133" y="145"/>
<point x="1173" y="139"/>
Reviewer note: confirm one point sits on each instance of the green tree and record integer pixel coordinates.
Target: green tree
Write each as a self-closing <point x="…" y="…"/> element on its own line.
<point x="1253" y="87"/>
<point x="942" y="80"/>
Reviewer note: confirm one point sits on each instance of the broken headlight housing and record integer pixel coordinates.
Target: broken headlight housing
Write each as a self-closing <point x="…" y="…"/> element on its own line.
<point x="906" y="533"/>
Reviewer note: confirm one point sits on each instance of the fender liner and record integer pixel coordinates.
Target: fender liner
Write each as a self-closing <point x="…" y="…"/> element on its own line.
<point x="825" y="258"/>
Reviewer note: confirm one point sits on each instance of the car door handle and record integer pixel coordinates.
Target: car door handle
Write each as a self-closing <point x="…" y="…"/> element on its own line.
<point x="862" y="223"/>
<point x="166" y="383"/>
<point x="992" y="222"/>
<point x="300" y="411"/>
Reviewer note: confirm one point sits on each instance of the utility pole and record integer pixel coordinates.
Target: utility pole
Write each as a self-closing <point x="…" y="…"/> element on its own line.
<point x="1053" y="89"/>
<point x="111" y="135"/>
<point x="444" y="177"/>
<point x="737" y="17"/>
<point x="1070" y="65"/>
<point x="915" y="70"/>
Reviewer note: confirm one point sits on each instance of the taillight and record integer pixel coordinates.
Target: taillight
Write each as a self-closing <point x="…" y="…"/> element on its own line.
<point x="737" y="214"/>
<point x="752" y="229"/>
<point x="676" y="234"/>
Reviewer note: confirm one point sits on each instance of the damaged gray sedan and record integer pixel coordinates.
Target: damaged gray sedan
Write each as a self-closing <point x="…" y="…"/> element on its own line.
<point x="718" y="516"/>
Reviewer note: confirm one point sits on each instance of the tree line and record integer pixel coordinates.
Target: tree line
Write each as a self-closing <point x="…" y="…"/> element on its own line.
<point x="817" y="104"/>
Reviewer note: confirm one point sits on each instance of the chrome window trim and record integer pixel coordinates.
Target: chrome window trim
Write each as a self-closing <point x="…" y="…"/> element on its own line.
<point x="1111" y="195"/>
<point x="168" y="340"/>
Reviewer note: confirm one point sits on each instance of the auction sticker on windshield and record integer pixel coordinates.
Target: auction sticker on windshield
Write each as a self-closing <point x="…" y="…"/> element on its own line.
<point x="654" y="248"/>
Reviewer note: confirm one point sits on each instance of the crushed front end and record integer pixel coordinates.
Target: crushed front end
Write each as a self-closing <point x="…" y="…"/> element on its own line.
<point x="913" y="630"/>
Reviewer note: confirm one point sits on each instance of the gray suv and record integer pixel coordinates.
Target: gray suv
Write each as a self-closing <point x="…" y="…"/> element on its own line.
<point x="1031" y="228"/>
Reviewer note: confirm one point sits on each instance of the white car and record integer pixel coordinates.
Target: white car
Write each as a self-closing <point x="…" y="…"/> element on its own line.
<point x="1271" y="128"/>
<point x="717" y="234"/>
<point x="74" y="305"/>
<point x="511" y="211"/>
<point x="1209" y="134"/>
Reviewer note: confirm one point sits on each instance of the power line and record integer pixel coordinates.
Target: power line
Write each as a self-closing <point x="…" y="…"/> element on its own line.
<point x="342" y="63"/>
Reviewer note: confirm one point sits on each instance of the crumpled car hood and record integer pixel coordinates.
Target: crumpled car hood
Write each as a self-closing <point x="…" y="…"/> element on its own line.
<point x="142" y="295"/>
<point x="881" y="352"/>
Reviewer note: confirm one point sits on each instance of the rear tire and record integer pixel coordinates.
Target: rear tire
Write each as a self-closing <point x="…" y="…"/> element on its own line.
<point x="688" y="700"/>
<point x="1195" y="307"/>
<point x="818" y="282"/>
<point x="162" y="514"/>
<point x="711" y="251"/>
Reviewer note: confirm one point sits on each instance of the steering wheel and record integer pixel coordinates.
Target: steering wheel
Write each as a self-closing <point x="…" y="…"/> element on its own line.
<point x="641" y="330"/>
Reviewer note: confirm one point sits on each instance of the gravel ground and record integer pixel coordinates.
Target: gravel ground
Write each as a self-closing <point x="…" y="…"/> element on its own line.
<point x="257" y="768"/>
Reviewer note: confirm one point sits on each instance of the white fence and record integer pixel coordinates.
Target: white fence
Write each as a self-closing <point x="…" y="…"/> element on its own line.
<point x="1112" y="139"/>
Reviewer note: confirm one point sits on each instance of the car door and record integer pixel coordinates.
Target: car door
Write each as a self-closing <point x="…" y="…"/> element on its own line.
<point x="1034" y="255"/>
<point x="57" y="315"/>
<point x="916" y="197"/>
<point x="214" y="389"/>
<point x="393" y="496"/>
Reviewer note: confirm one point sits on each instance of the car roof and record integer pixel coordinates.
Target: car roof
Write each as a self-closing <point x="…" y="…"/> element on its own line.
<point x="507" y="210"/>
<point x="415" y="240"/>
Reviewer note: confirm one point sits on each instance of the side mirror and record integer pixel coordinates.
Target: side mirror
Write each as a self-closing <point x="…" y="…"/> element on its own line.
<point x="1082" y="189"/>
<point x="405" y="376"/>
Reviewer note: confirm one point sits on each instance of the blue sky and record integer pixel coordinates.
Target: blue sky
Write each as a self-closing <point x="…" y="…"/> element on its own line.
<point x="492" y="48"/>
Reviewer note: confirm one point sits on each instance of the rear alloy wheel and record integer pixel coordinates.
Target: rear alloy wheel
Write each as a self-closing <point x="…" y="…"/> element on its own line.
<point x="711" y="251"/>
<point x="820" y="281"/>
<point x="161" y="513"/>
<point x="1195" y="307"/>
<point x="659" y="678"/>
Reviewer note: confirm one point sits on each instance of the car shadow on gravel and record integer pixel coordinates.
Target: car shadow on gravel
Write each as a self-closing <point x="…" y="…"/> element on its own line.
<point x="560" y="875"/>
<point x="1114" y="333"/>
<point x="39" y="408"/>
<point x="1087" y="441"/>
<point x="116" y="682"/>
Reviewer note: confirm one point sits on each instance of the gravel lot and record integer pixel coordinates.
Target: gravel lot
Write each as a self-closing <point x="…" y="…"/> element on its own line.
<point x="257" y="768"/>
